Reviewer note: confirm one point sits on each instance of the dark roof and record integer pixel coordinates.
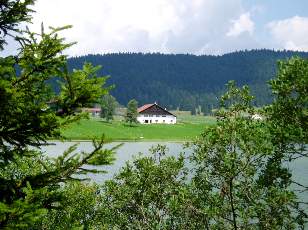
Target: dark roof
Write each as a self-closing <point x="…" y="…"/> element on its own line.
<point x="153" y="109"/>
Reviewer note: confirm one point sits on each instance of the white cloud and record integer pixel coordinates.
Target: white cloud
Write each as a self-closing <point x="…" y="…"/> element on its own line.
<point x="241" y="25"/>
<point x="169" y="26"/>
<point x="291" y="33"/>
<point x="108" y="26"/>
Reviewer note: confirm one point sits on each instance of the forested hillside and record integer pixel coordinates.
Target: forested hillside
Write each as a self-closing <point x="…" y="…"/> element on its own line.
<point x="186" y="81"/>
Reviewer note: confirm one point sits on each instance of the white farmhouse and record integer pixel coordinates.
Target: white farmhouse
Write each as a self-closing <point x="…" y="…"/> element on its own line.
<point x="154" y="114"/>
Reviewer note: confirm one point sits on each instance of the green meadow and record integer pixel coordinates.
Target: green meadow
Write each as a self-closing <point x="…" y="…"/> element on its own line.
<point x="187" y="128"/>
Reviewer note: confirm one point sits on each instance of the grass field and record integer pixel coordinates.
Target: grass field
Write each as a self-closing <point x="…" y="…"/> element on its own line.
<point x="187" y="128"/>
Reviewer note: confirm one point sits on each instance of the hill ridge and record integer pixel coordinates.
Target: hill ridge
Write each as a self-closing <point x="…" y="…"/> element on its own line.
<point x="186" y="81"/>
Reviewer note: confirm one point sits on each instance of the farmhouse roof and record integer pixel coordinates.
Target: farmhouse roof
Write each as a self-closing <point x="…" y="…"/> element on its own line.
<point x="144" y="107"/>
<point x="148" y="106"/>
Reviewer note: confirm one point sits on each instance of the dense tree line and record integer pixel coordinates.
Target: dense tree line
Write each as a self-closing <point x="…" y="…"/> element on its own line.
<point x="186" y="81"/>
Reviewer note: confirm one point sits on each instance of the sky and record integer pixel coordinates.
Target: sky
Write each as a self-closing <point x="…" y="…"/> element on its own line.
<point x="198" y="27"/>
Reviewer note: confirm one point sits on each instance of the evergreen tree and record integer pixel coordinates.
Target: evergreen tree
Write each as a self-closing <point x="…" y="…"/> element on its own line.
<point x="12" y="14"/>
<point x="131" y="112"/>
<point x="31" y="183"/>
<point x="108" y="104"/>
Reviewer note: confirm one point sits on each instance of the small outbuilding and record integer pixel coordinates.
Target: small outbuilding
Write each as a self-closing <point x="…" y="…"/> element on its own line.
<point x="155" y="114"/>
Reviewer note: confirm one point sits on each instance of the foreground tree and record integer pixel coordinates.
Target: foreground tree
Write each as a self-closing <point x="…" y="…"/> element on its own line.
<point x="131" y="113"/>
<point x="31" y="183"/>
<point x="149" y="193"/>
<point x="12" y="14"/>
<point x="79" y="209"/>
<point x="288" y="123"/>
<point x="230" y="159"/>
<point x="108" y="104"/>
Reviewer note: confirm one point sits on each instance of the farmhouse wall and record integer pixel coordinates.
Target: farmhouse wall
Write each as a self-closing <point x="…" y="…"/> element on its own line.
<point x="156" y="119"/>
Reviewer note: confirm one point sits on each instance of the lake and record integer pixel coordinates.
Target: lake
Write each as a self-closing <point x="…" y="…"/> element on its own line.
<point x="124" y="153"/>
<point x="129" y="149"/>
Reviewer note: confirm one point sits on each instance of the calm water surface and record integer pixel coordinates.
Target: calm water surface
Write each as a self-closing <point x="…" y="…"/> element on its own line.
<point x="128" y="150"/>
<point x="124" y="153"/>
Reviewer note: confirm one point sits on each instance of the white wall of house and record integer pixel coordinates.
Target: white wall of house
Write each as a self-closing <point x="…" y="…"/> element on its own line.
<point x="156" y="119"/>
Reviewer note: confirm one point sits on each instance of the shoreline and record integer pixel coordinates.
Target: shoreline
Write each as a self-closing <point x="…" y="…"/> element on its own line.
<point x="124" y="140"/>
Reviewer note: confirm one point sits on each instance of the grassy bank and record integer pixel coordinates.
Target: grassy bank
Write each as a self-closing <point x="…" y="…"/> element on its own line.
<point x="186" y="129"/>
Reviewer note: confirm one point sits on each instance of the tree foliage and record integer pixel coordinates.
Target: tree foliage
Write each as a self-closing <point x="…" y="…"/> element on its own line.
<point x="289" y="111"/>
<point x="149" y="193"/>
<point x="79" y="210"/>
<point x="131" y="112"/>
<point x="30" y="182"/>
<point x="12" y="13"/>
<point x="231" y="161"/>
<point x="108" y="104"/>
<point x="287" y="119"/>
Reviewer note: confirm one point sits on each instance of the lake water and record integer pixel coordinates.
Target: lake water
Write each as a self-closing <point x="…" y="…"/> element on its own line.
<point x="124" y="153"/>
<point x="128" y="150"/>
